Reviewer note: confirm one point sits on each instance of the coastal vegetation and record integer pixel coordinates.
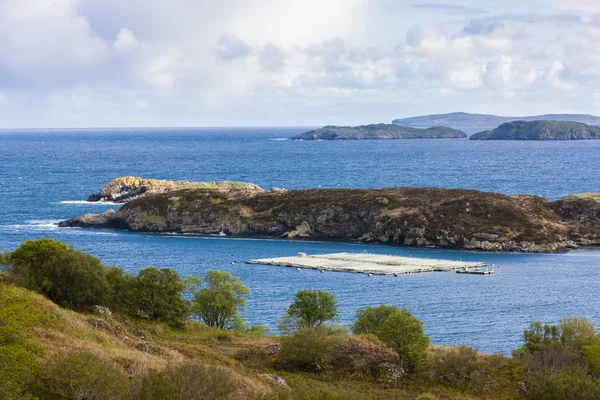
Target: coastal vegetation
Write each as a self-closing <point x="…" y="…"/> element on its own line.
<point x="48" y="351"/>
<point x="432" y="217"/>
<point x="540" y="130"/>
<point x="379" y="131"/>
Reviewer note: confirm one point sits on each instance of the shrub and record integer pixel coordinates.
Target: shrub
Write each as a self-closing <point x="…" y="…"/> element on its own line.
<point x="69" y="277"/>
<point x="370" y="319"/>
<point x="191" y="381"/>
<point x="576" y="332"/>
<point x="591" y="355"/>
<point x="463" y="368"/>
<point x="552" y="356"/>
<point x="157" y="296"/>
<point x="219" y="303"/>
<point x="307" y="348"/>
<point x="568" y="383"/>
<point x="404" y="333"/>
<point x="80" y="375"/>
<point x="311" y="308"/>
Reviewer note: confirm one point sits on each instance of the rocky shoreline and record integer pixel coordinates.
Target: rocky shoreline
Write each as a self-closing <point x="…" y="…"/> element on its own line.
<point x="422" y="217"/>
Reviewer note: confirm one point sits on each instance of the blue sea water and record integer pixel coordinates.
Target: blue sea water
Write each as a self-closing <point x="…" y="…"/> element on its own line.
<point x="46" y="174"/>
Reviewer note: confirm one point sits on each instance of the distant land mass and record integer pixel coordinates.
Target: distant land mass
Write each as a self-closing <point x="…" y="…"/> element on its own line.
<point x="472" y="123"/>
<point x="379" y="131"/>
<point x="540" y="130"/>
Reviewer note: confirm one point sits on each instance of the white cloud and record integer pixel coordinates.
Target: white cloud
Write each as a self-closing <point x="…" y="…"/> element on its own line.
<point x="227" y="57"/>
<point x="126" y="41"/>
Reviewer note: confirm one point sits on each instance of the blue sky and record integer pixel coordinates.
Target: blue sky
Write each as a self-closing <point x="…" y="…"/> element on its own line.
<point x="120" y="63"/>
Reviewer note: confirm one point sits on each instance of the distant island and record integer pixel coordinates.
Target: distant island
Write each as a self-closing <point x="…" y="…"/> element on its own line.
<point x="423" y="217"/>
<point x="472" y="123"/>
<point x="379" y="131"/>
<point x="540" y="130"/>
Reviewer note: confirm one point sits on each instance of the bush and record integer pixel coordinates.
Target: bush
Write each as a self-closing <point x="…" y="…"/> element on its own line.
<point x="576" y="332"/>
<point x="464" y="368"/>
<point x="308" y="349"/>
<point x="569" y="383"/>
<point x="370" y="319"/>
<point x="311" y="308"/>
<point x="219" y="303"/>
<point x="79" y="375"/>
<point x="157" y="296"/>
<point x="69" y="277"/>
<point x="591" y="355"/>
<point x="401" y="331"/>
<point x="191" y="381"/>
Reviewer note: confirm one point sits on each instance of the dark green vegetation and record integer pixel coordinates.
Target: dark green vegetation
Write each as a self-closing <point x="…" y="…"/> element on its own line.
<point x="49" y="352"/>
<point x="451" y="218"/>
<point x="379" y="131"/>
<point x="398" y="329"/>
<point x="479" y="122"/>
<point x="540" y="130"/>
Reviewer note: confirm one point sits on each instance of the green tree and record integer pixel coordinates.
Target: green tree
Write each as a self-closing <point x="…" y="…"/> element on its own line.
<point x="158" y="296"/>
<point x="311" y="308"/>
<point x="69" y="277"/>
<point x="219" y="302"/>
<point x="370" y="319"/>
<point x="403" y="333"/>
<point x="576" y="332"/>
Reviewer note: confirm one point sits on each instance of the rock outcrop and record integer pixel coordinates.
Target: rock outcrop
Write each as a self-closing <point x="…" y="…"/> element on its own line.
<point x="449" y="218"/>
<point x="540" y="130"/>
<point x="122" y="190"/>
<point x="379" y="131"/>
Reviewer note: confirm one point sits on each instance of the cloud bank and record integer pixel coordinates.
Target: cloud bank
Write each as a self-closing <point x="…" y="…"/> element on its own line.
<point x="74" y="63"/>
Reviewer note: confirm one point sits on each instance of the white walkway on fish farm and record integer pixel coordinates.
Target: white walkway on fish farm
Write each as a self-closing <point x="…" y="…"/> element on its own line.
<point x="367" y="263"/>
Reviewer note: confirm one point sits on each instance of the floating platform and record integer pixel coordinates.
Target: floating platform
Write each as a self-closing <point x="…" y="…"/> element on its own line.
<point x="376" y="264"/>
<point x="477" y="271"/>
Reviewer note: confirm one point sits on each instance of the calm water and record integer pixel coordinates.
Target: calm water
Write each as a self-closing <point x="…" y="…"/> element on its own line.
<point x="44" y="175"/>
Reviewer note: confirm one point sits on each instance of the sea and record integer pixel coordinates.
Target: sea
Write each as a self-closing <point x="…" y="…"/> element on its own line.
<point x="46" y="176"/>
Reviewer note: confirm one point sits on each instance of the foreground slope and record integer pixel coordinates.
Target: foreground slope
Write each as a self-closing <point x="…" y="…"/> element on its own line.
<point x="451" y="218"/>
<point x="124" y="357"/>
<point x="540" y="130"/>
<point x="379" y="131"/>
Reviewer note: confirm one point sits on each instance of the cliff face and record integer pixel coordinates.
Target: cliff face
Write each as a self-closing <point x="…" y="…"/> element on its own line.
<point x="122" y="190"/>
<point x="379" y="131"/>
<point x="540" y="130"/>
<point x="463" y="219"/>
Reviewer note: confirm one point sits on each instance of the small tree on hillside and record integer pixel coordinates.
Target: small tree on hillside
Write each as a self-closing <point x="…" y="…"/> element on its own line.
<point x="404" y="333"/>
<point x="311" y="308"/>
<point x="397" y="328"/>
<point x="218" y="303"/>
<point x="158" y="296"/>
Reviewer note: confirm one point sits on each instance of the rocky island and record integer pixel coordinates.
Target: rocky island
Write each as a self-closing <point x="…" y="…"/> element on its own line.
<point x="449" y="218"/>
<point x="540" y="130"/>
<point x="127" y="188"/>
<point x="379" y="131"/>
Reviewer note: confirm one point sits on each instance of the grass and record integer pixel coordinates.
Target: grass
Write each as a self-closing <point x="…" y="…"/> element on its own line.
<point x="595" y="196"/>
<point x="45" y="332"/>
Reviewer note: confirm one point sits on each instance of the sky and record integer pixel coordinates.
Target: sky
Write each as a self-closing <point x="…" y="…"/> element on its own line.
<point x="138" y="63"/>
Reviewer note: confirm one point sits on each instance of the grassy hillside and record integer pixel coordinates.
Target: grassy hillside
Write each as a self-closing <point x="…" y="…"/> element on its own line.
<point x="135" y="348"/>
